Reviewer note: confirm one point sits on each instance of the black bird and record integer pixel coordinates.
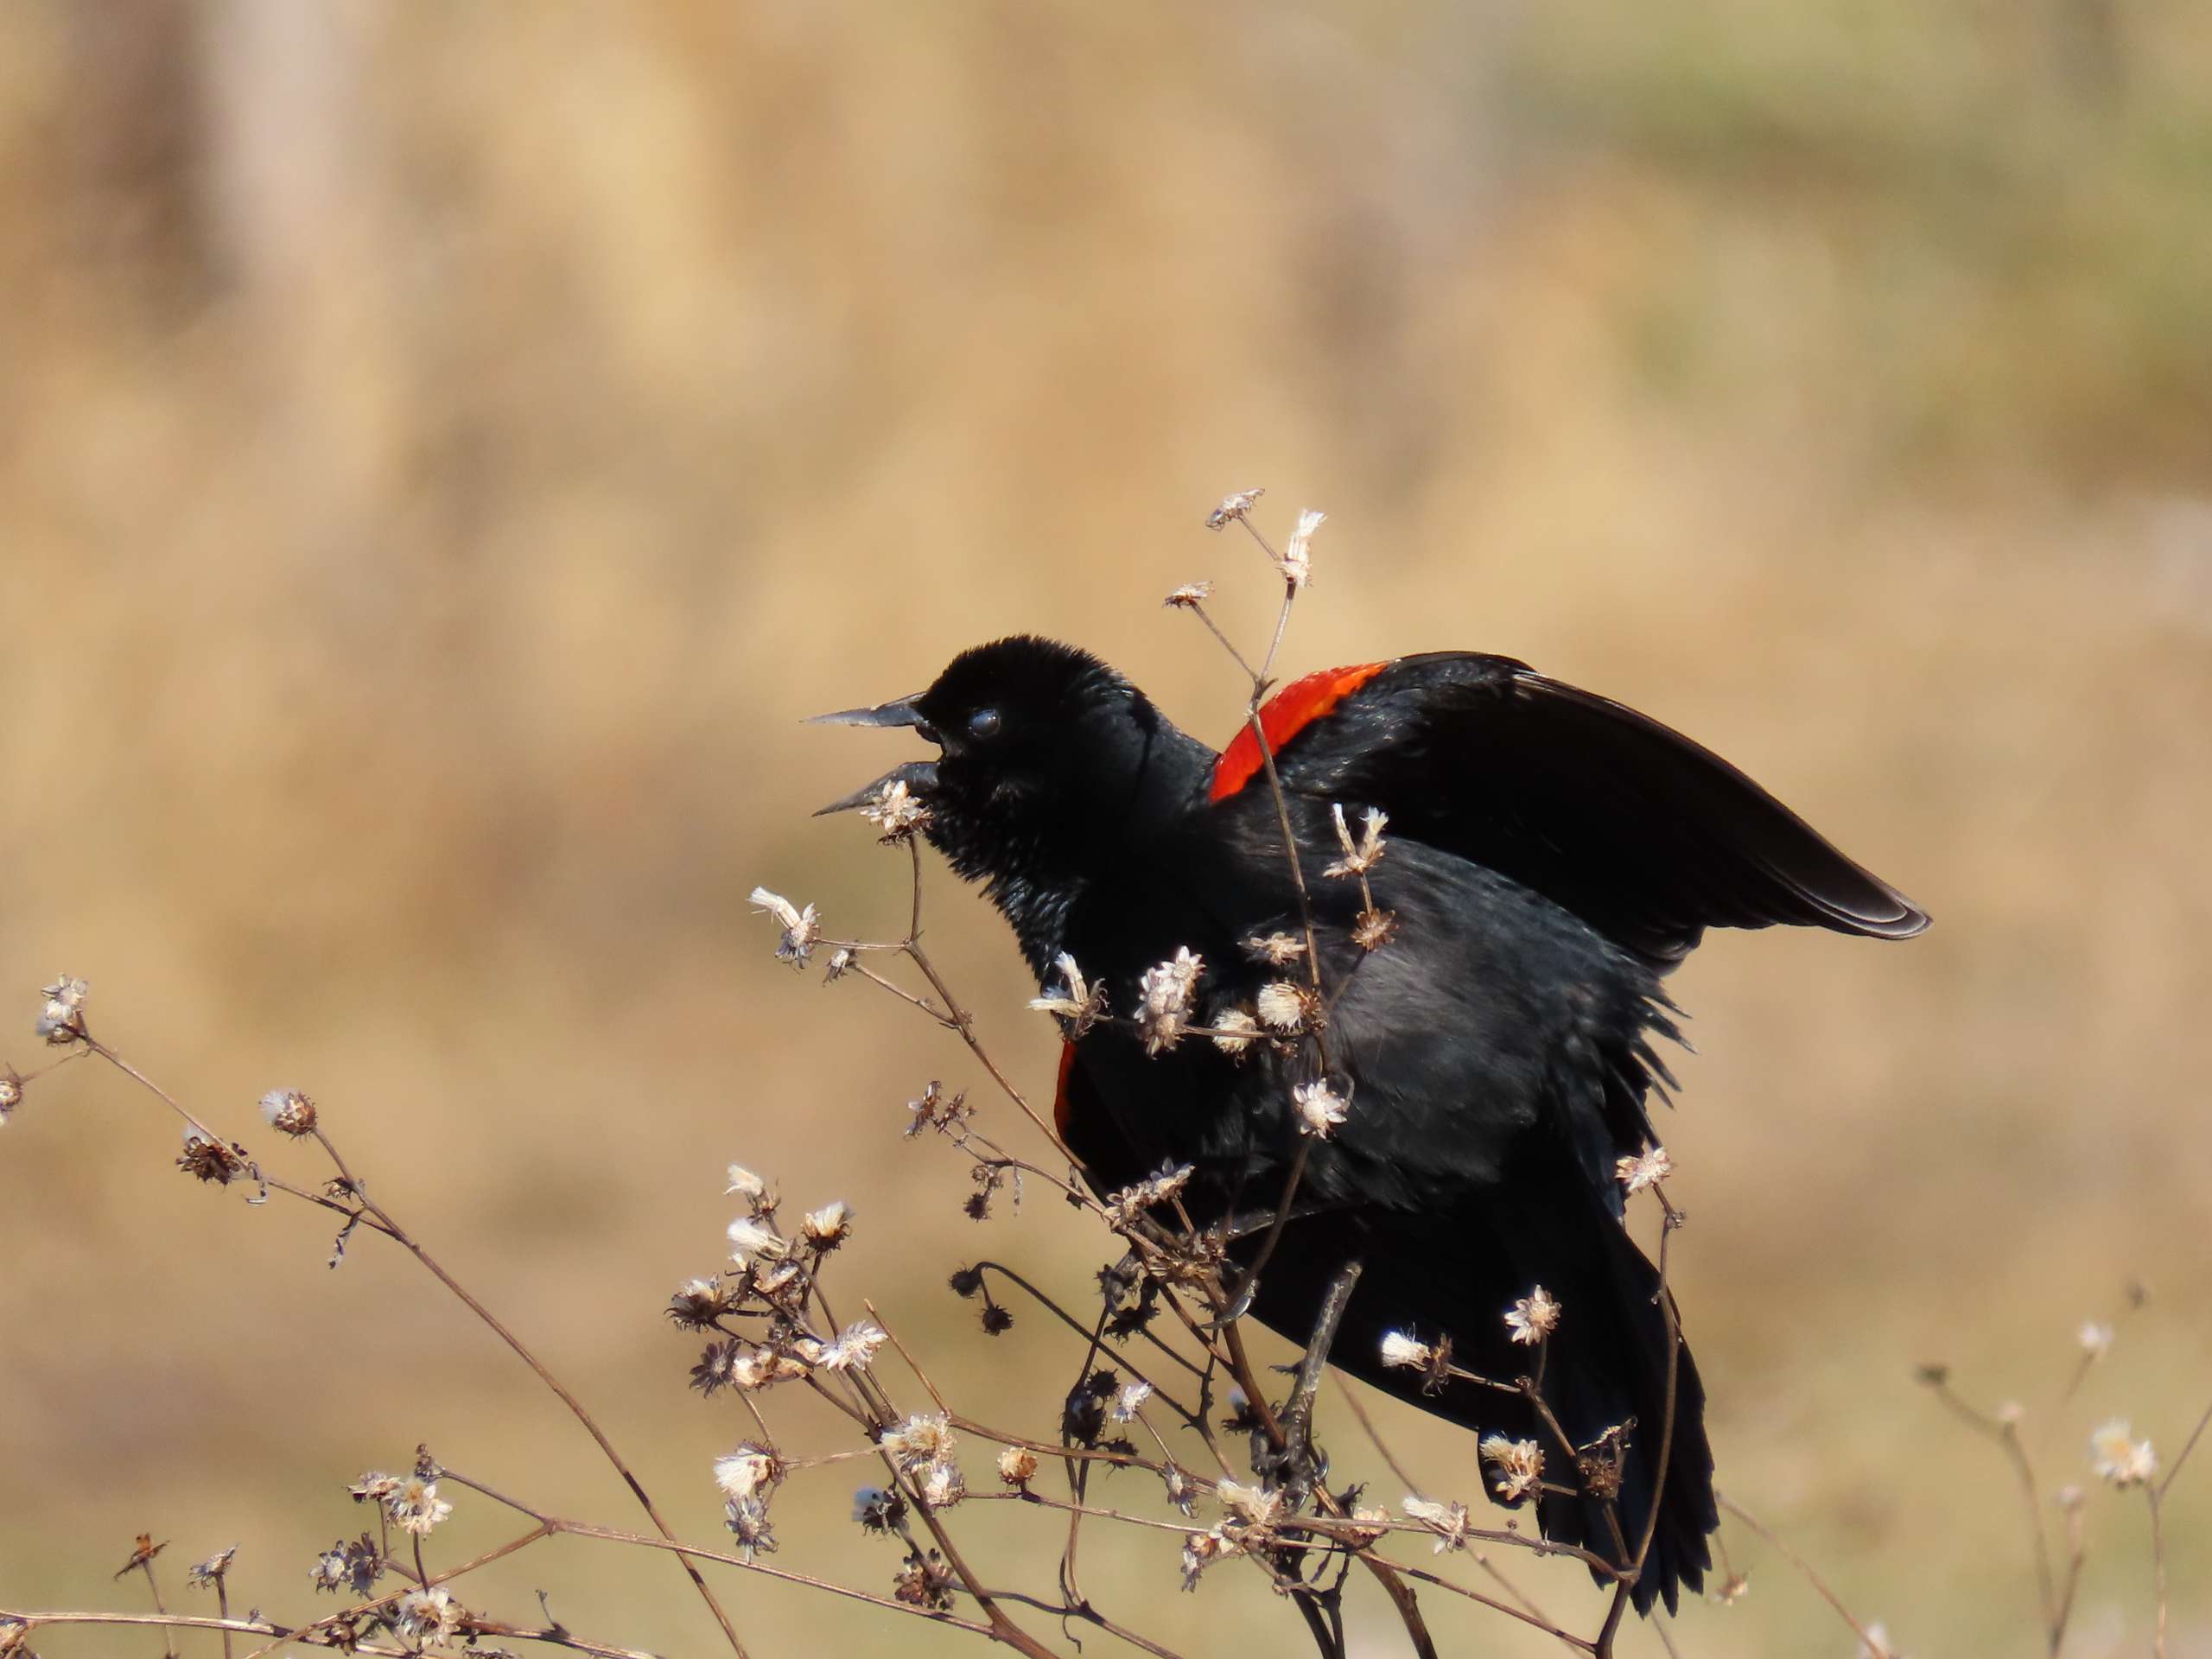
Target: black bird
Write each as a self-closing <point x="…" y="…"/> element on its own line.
<point x="1550" y="855"/>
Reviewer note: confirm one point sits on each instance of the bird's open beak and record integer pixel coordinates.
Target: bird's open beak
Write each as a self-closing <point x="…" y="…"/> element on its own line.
<point x="918" y="776"/>
<point x="900" y="712"/>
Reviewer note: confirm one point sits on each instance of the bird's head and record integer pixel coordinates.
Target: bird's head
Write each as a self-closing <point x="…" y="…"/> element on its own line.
<point x="1047" y="758"/>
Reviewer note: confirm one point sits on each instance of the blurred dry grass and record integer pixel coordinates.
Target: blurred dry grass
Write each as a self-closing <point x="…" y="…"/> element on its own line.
<point x="444" y="451"/>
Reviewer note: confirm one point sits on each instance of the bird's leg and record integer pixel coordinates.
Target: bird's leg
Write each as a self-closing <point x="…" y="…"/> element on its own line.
<point x="1248" y="1224"/>
<point x="1302" y="1466"/>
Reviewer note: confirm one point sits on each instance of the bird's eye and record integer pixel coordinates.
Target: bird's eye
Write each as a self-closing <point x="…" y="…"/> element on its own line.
<point x="984" y="723"/>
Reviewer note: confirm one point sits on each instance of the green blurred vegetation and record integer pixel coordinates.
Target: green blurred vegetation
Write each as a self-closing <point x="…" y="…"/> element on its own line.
<point x="444" y="451"/>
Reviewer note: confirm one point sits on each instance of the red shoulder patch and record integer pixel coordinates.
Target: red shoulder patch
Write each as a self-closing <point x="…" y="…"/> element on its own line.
<point x="1061" y="1105"/>
<point x="1282" y="716"/>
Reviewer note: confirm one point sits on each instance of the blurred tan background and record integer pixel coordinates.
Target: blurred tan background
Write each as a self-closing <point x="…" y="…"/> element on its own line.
<point x="444" y="450"/>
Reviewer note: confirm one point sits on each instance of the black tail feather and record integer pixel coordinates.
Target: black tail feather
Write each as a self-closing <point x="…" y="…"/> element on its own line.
<point x="1605" y="1367"/>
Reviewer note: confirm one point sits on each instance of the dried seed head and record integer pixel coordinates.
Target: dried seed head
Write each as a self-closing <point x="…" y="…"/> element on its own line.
<point x="748" y="1518"/>
<point x="942" y="1484"/>
<point x="898" y="811"/>
<point x="1080" y="1003"/>
<point x="1447" y="1521"/>
<point x="1164" y="1000"/>
<point x="717" y="1367"/>
<point x="1017" y="1466"/>
<point x="356" y="1567"/>
<point x="1364" y="854"/>
<point x="802" y="928"/>
<point x="207" y="1574"/>
<point x="1233" y="507"/>
<point x="11" y="1091"/>
<point x="1192" y="593"/>
<point x="425" y="1616"/>
<point x="697" y="1303"/>
<point x="1401" y="1348"/>
<point x="2117" y="1457"/>
<point x="2095" y="1339"/>
<point x="1162" y="1185"/>
<point x="829" y="1227"/>
<point x="877" y="1508"/>
<point x="1182" y="1490"/>
<point x="61" y="1020"/>
<point x="1738" y="1586"/>
<point x="1371" y="929"/>
<point x="1297" y="561"/>
<point x="288" y="1111"/>
<point x="1277" y="949"/>
<point x="919" y="1441"/>
<point x="755" y="1369"/>
<point x="209" y="1159"/>
<point x="841" y="961"/>
<point x="924" y="1582"/>
<point x="753" y="1240"/>
<point x="1128" y="1401"/>
<point x="1234" y="1030"/>
<point x="1602" y="1464"/>
<point x="328" y="1572"/>
<point x="1648" y="1168"/>
<point x="1516" y="1466"/>
<point x="373" y="1487"/>
<point x="744" y="1183"/>
<point x="1283" y="1005"/>
<point x="1202" y="1549"/>
<point x="749" y="1470"/>
<point x="1531" y="1318"/>
<point x="854" y="1347"/>
<point x="1253" y="1506"/>
<point x="1320" y="1108"/>
<point x="417" y="1507"/>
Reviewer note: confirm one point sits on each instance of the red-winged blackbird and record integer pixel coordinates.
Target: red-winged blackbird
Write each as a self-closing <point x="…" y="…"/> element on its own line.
<point x="1551" y="855"/>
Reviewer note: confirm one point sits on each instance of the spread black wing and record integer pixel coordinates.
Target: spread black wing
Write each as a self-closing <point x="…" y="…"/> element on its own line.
<point x="1648" y="836"/>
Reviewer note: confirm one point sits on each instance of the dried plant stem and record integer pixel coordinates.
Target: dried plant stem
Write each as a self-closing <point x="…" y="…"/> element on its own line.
<point x="2008" y="1437"/>
<point x="414" y="1247"/>
<point x="2188" y="1447"/>
<point x="2076" y="1553"/>
<point x="553" y="1636"/>
<point x="881" y="1412"/>
<point x="1798" y="1561"/>
<point x="1090" y="1615"/>
<point x="168" y="1647"/>
<point x="179" y="1621"/>
<point x="965" y="1022"/>
<point x="2151" y="1495"/>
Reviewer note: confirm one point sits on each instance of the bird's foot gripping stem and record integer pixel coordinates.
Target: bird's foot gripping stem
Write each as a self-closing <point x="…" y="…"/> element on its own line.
<point x="1301" y="1465"/>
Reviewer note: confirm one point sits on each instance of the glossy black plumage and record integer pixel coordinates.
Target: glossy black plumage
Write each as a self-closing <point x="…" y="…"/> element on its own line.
<point x="1551" y="855"/>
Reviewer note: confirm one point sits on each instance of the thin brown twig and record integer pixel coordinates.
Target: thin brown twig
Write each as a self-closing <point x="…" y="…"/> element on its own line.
<point x="146" y="1564"/>
<point x="2188" y="1447"/>
<point x="2006" y="1435"/>
<point x="1802" y="1566"/>
<point x="58" y="1617"/>
<point x="346" y="1615"/>
<point x="415" y="1248"/>
<point x="2151" y="1494"/>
